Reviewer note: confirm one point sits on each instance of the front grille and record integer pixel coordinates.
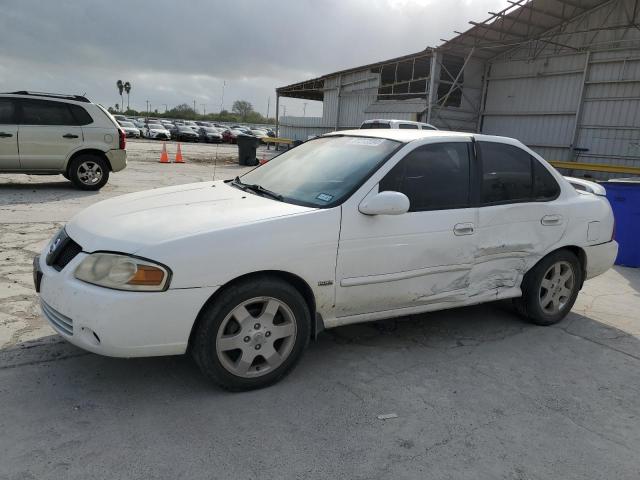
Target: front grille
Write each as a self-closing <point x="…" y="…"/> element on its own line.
<point x="67" y="253"/>
<point x="61" y="323"/>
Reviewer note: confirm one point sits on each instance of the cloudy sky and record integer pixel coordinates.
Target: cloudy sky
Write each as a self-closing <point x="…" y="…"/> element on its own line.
<point x="180" y="51"/>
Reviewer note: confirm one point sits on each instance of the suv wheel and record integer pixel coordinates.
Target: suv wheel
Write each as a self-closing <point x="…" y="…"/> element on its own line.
<point x="88" y="172"/>
<point x="252" y="334"/>
<point x="550" y="289"/>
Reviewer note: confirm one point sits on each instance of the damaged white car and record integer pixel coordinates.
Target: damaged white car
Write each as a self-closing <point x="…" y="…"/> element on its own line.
<point x="350" y="227"/>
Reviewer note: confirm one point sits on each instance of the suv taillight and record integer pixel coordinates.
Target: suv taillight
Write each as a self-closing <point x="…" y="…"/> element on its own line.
<point x="122" y="144"/>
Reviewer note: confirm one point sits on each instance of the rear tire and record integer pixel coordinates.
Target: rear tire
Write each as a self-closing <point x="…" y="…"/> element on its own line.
<point x="550" y="288"/>
<point x="88" y="172"/>
<point x="252" y="334"/>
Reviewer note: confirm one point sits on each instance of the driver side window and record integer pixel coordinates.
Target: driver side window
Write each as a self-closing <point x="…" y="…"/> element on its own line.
<point x="433" y="177"/>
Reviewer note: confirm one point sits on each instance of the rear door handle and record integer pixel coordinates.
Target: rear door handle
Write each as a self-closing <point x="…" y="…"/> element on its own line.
<point x="550" y="220"/>
<point x="5" y="135"/>
<point x="463" y="229"/>
<point x="69" y="135"/>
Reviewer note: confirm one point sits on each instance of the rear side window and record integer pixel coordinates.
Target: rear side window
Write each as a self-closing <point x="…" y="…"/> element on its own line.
<point x="433" y="177"/>
<point x="408" y="126"/>
<point x="7" y="110"/>
<point x="43" y="112"/>
<point x="375" y="125"/>
<point x="80" y="115"/>
<point x="506" y="173"/>
<point x="545" y="186"/>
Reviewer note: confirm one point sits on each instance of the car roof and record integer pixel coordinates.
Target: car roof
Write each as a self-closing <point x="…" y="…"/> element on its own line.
<point x="406" y="136"/>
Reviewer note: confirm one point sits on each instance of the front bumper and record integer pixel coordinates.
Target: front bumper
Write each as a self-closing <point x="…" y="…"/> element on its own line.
<point x="117" y="323"/>
<point x="600" y="258"/>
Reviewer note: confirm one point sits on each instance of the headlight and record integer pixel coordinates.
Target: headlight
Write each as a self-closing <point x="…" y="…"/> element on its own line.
<point x="122" y="272"/>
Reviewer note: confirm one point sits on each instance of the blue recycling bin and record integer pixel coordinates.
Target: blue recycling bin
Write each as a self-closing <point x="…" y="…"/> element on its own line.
<point x="624" y="196"/>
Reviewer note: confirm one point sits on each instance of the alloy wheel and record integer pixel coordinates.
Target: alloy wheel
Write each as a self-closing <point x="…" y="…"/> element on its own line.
<point x="556" y="287"/>
<point x="256" y="337"/>
<point x="89" y="173"/>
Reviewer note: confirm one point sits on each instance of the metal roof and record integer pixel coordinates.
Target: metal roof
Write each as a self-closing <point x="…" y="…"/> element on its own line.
<point x="521" y="22"/>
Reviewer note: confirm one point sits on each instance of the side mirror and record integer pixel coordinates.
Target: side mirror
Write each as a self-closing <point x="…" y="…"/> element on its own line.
<point x="385" y="203"/>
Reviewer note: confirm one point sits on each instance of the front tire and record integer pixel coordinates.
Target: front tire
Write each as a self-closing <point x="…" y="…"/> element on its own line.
<point x="252" y="334"/>
<point x="88" y="172"/>
<point x="550" y="289"/>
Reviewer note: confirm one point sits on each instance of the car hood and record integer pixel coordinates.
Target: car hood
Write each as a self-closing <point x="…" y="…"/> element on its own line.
<point x="132" y="222"/>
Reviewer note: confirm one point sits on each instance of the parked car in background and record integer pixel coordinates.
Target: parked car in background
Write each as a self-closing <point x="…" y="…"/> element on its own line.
<point x="157" y="132"/>
<point x="120" y="117"/>
<point x="129" y="129"/>
<point x="401" y="124"/>
<point x="231" y="136"/>
<point x="186" y="134"/>
<point x="210" y="135"/>
<point x="48" y="134"/>
<point x="414" y="221"/>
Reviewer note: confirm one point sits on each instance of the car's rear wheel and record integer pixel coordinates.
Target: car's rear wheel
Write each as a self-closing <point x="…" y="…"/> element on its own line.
<point x="550" y="289"/>
<point x="252" y="334"/>
<point x="88" y="172"/>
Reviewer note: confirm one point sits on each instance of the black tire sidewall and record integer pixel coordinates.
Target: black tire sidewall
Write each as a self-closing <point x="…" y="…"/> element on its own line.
<point x="212" y="315"/>
<point x="531" y="288"/>
<point x="72" y="171"/>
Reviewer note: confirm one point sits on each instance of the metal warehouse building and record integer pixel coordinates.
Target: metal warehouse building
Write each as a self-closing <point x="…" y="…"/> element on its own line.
<point x="563" y="76"/>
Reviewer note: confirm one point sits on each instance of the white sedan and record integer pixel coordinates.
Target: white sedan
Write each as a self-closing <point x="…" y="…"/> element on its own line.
<point x="350" y="227"/>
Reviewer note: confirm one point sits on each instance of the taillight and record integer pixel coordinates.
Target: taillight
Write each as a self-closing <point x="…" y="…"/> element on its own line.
<point x="123" y="140"/>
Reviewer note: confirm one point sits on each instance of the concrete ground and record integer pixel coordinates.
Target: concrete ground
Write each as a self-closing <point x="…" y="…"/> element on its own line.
<point x="475" y="393"/>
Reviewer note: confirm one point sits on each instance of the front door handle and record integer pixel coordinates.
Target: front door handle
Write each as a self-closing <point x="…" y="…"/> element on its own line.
<point x="550" y="220"/>
<point x="5" y="135"/>
<point x="69" y="135"/>
<point x="463" y="229"/>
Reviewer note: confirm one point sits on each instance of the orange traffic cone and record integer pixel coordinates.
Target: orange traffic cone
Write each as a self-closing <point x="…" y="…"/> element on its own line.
<point x="179" y="155"/>
<point x="164" y="157"/>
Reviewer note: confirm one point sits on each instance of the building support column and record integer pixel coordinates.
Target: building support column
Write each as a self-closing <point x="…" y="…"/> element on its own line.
<point x="277" y="114"/>
<point x="432" y="83"/>
<point x="337" y="124"/>
<point x="483" y="98"/>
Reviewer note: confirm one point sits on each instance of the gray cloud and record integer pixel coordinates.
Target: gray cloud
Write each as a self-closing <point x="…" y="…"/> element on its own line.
<point x="175" y="52"/>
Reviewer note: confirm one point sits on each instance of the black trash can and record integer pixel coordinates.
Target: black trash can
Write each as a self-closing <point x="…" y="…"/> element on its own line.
<point x="247" y="146"/>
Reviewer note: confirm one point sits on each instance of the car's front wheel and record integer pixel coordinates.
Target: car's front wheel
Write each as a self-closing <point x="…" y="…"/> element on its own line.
<point x="252" y="334"/>
<point x="550" y="289"/>
<point x="88" y="172"/>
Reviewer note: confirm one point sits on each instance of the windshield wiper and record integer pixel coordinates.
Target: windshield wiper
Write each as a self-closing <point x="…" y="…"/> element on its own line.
<point x="256" y="189"/>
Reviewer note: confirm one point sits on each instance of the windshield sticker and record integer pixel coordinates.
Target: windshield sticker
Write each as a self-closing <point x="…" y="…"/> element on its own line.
<point x="325" y="197"/>
<point x="369" y="142"/>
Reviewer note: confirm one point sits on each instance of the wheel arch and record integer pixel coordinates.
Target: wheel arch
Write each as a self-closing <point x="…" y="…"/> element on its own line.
<point x="297" y="282"/>
<point x="577" y="251"/>
<point x="87" y="151"/>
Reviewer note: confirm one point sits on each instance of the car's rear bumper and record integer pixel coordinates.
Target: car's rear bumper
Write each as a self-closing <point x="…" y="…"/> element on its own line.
<point x="600" y="258"/>
<point x="117" y="323"/>
<point x="117" y="159"/>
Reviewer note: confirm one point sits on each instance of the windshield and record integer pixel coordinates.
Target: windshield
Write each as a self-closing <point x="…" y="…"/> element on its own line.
<point x="156" y="126"/>
<point x="324" y="171"/>
<point x="126" y="124"/>
<point x="185" y="129"/>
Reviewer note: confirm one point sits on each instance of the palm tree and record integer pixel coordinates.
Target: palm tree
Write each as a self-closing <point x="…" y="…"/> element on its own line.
<point x="120" y="86"/>
<point x="127" y="88"/>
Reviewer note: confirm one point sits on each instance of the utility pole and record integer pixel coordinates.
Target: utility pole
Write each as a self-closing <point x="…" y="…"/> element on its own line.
<point x="148" y="107"/>
<point x="224" y="84"/>
<point x="268" y="106"/>
<point x="194" y="107"/>
<point x="165" y="107"/>
<point x="304" y="109"/>
<point x="204" y="109"/>
<point x="284" y="110"/>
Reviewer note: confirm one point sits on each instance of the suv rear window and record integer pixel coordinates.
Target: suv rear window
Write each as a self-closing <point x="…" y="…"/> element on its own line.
<point x="375" y="125"/>
<point x="408" y="126"/>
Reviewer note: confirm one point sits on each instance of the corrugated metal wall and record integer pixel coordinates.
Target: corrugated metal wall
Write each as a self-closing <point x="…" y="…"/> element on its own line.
<point x="583" y="105"/>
